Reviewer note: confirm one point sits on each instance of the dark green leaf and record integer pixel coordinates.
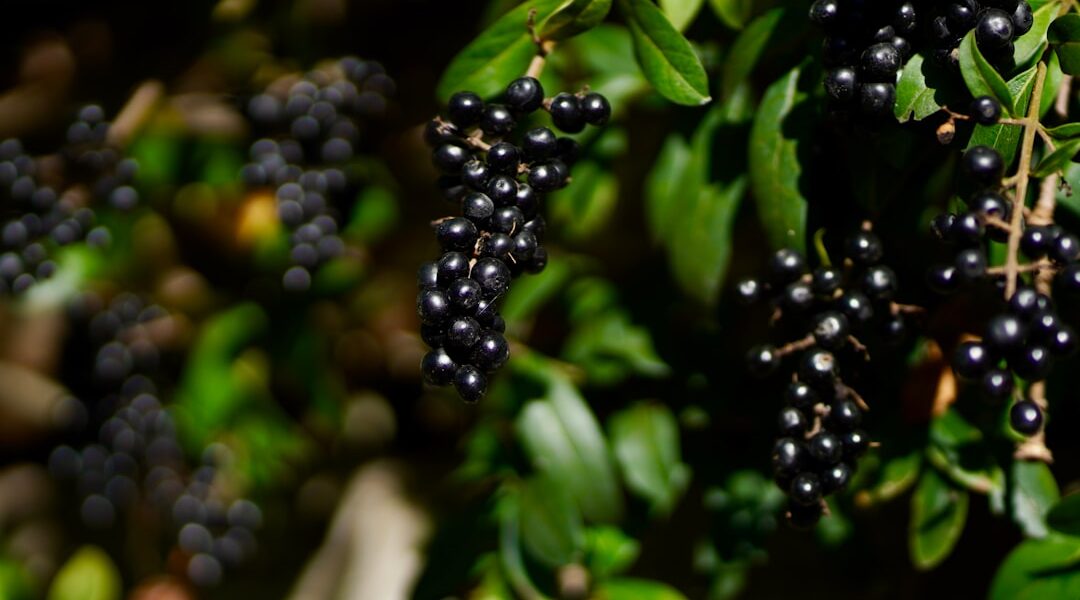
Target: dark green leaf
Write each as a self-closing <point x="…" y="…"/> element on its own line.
<point x="913" y="98"/>
<point x="1064" y="34"/>
<point x="1066" y="131"/>
<point x="374" y="214"/>
<point x="938" y="514"/>
<point x="895" y="477"/>
<point x="581" y="209"/>
<point x="645" y="438"/>
<point x="1058" y="159"/>
<point x="981" y="78"/>
<point x="662" y="186"/>
<point x="958" y="450"/>
<point x="562" y="438"/>
<point x="681" y="12"/>
<point x="636" y="589"/>
<point x="734" y="13"/>
<point x="1039" y="570"/>
<point x="1065" y="515"/>
<point x="511" y="561"/>
<point x="551" y="526"/>
<point x="88" y="575"/>
<point x="498" y="55"/>
<point x="574" y="17"/>
<point x="1033" y="492"/>
<point x="667" y="59"/>
<point x="15" y="581"/>
<point x="774" y="163"/>
<point x="610" y="348"/>
<point x="748" y="48"/>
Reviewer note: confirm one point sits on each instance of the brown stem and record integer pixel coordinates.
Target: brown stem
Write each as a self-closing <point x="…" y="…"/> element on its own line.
<point x="795" y="346"/>
<point x="1036" y="267"/>
<point x="1047" y="202"/>
<point x="1020" y="195"/>
<point x="135" y="113"/>
<point x="1061" y="103"/>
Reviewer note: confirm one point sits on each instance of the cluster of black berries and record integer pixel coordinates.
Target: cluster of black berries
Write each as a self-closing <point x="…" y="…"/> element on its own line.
<point x="868" y="41"/>
<point x="133" y="459"/>
<point x="48" y="203"/>
<point x="997" y="24"/>
<point x="824" y="311"/>
<point x="499" y="185"/>
<point x="311" y="130"/>
<point x="1026" y="338"/>
<point x="866" y="45"/>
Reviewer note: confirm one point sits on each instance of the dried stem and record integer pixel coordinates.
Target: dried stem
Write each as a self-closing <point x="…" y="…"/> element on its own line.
<point x="135" y="113"/>
<point x="1022" y="175"/>
<point x="795" y="346"/>
<point x="543" y="48"/>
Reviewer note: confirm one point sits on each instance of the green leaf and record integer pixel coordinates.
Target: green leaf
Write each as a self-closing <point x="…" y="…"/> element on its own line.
<point x="498" y="55"/>
<point x="1064" y="34"/>
<point x="374" y="214"/>
<point x="774" y="163"/>
<point x="574" y="17"/>
<point x="563" y="439"/>
<point x="1033" y="492"/>
<point x="681" y="12"/>
<point x="1039" y="570"/>
<point x="1058" y="159"/>
<point x="959" y="451"/>
<point x="1065" y="515"/>
<point x="609" y="551"/>
<point x="645" y="438"/>
<point x="1064" y="132"/>
<point x="551" y="526"/>
<point x="981" y="78"/>
<point x="734" y="13"/>
<point x="662" y="186"/>
<point x="913" y="98"/>
<point x="611" y="348"/>
<point x="580" y="210"/>
<point x="664" y="55"/>
<point x="88" y="575"/>
<point x="15" y="582"/>
<point x="1030" y="46"/>
<point x="1002" y="137"/>
<point x="511" y="561"/>
<point x="895" y="477"/>
<point x="625" y="588"/>
<point x="749" y="46"/>
<point x="938" y="513"/>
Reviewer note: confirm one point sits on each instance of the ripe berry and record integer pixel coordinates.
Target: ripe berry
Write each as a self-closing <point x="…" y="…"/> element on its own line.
<point x="1022" y="19"/>
<point x="462" y="335"/>
<point x="497" y="120"/>
<point x="826" y="281"/>
<point x="841" y="84"/>
<point x="970" y="265"/>
<point x="825" y="13"/>
<point x="527" y="200"/>
<point x="835" y="478"/>
<point x="595" y="109"/>
<point x="818" y="368"/>
<point x="831" y="330"/>
<point x="1027" y="303"/>
<point x="1031" y="363"/>
<point x="905" y="19"/>
<point x="477" y="208"/>
<point x="457" y="233"/>
<point x="994" y="29"/>
<point x="465" y="294"/>
<point x="491" y="351"/>
<point x="748" y="291"/>
<point x="1036" y="241"/>
<point x="1065" y="249"/>
<point x="786" y="265"/>
<point x="465" y="109"/>
<point x="997" y="384"/>
<point x="470" y="383"/>
<point x="941" y="226"/>
<point x="433" y="306"/>
<point x="497" y="245"/>
<point x="1062" y="342"/>
<point x="967" y="229"/>
<point x="984" y="165"/>
<point x="864" y="248"/>
<point x="538" y="261"/>
<point x="566" y="113"/>
<point x="452" y="266"/>
<point x="877" y="99"/>
<point x="493" y="276"/>
<point x="805" y="489"/>
<point x="524" y="246"/>
<point x="879" y="64"/>
<point x="879" y="283"/>
<point x="1004" y="334"/>
<point x="450" y="158"/>
<point x="524" y="94"/>
<point x="801" y="396"/>
<point x="503" y="158"/>
<point x="943" y="279"/>
<point x="971" y="360"/>
<point x="1068" y="279"/>
<point x="854" y="443"/>
<point x="427" y="276"/>
<point x="844" y="415"/>
<point x="788" y="456"/>
<point x="762" y="360"/>
<point x="507" y="219"/>
<point x="545" y="177"/>
<point x="539" y="143"/>
<point x="792" y="422"/>
<point x="856" y="307"/>
<point x="503" y="190"/>
<point x="797" y="297"/>
<point x="825" y="447"/>
<point x="985" y="110"/>
<point x="1026" y="417"/>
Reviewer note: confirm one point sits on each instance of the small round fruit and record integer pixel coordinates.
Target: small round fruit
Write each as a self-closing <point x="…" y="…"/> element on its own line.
<point x="433" y="307"/>
<point x="971" y="360"/>
<point x="524" y="94"/>
<point x="465" y="109"/>
<point x="994" y="29"/>
<point x="1026" y="417"/>
<point x="854" y="443"/>
<point x="844" y="415"/>
<point x="470" y="383"/>
<point x="864" y="248"/>
<point x="835" y="478"/>
<point x="984" y="165"/>
<point x="825" y="447"/>
<point x="762" y="360"/>
<point x="493" y="276"/>
<point x="1032" y="363"/>
<point x="566" y="113"/>
<point x="788" y="456"/>
<point x="748" y="291"/>
<point x="801" y="396"/>
<point x="879" y="63"/>
<point x="792" y="422"/>
<point x="1004" y="333"/>
<point x="831" y="330"/>
<point x="438" y="368"/>
<point x="842" y="84"/>
<point x="786" y="265"/>
<point x="877" y="99"/>
<point x="595" y="109"/>
<point x="491" y="351"/>
<point x="943" y="279"/>
<point x="985" y="110"/>
<point x="805" y="489"/>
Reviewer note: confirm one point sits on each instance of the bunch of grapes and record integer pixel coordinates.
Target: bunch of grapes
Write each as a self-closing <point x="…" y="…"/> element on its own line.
<point x="498" y="180"/>
<point x="48" y="202"/>
<point x="311" y="129"/>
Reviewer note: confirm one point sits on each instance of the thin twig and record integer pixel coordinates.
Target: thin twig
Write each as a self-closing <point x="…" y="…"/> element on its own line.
<point x="135" y="113"/>
<point x="1020" y="195"/>
<point x="796" y="346"/>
